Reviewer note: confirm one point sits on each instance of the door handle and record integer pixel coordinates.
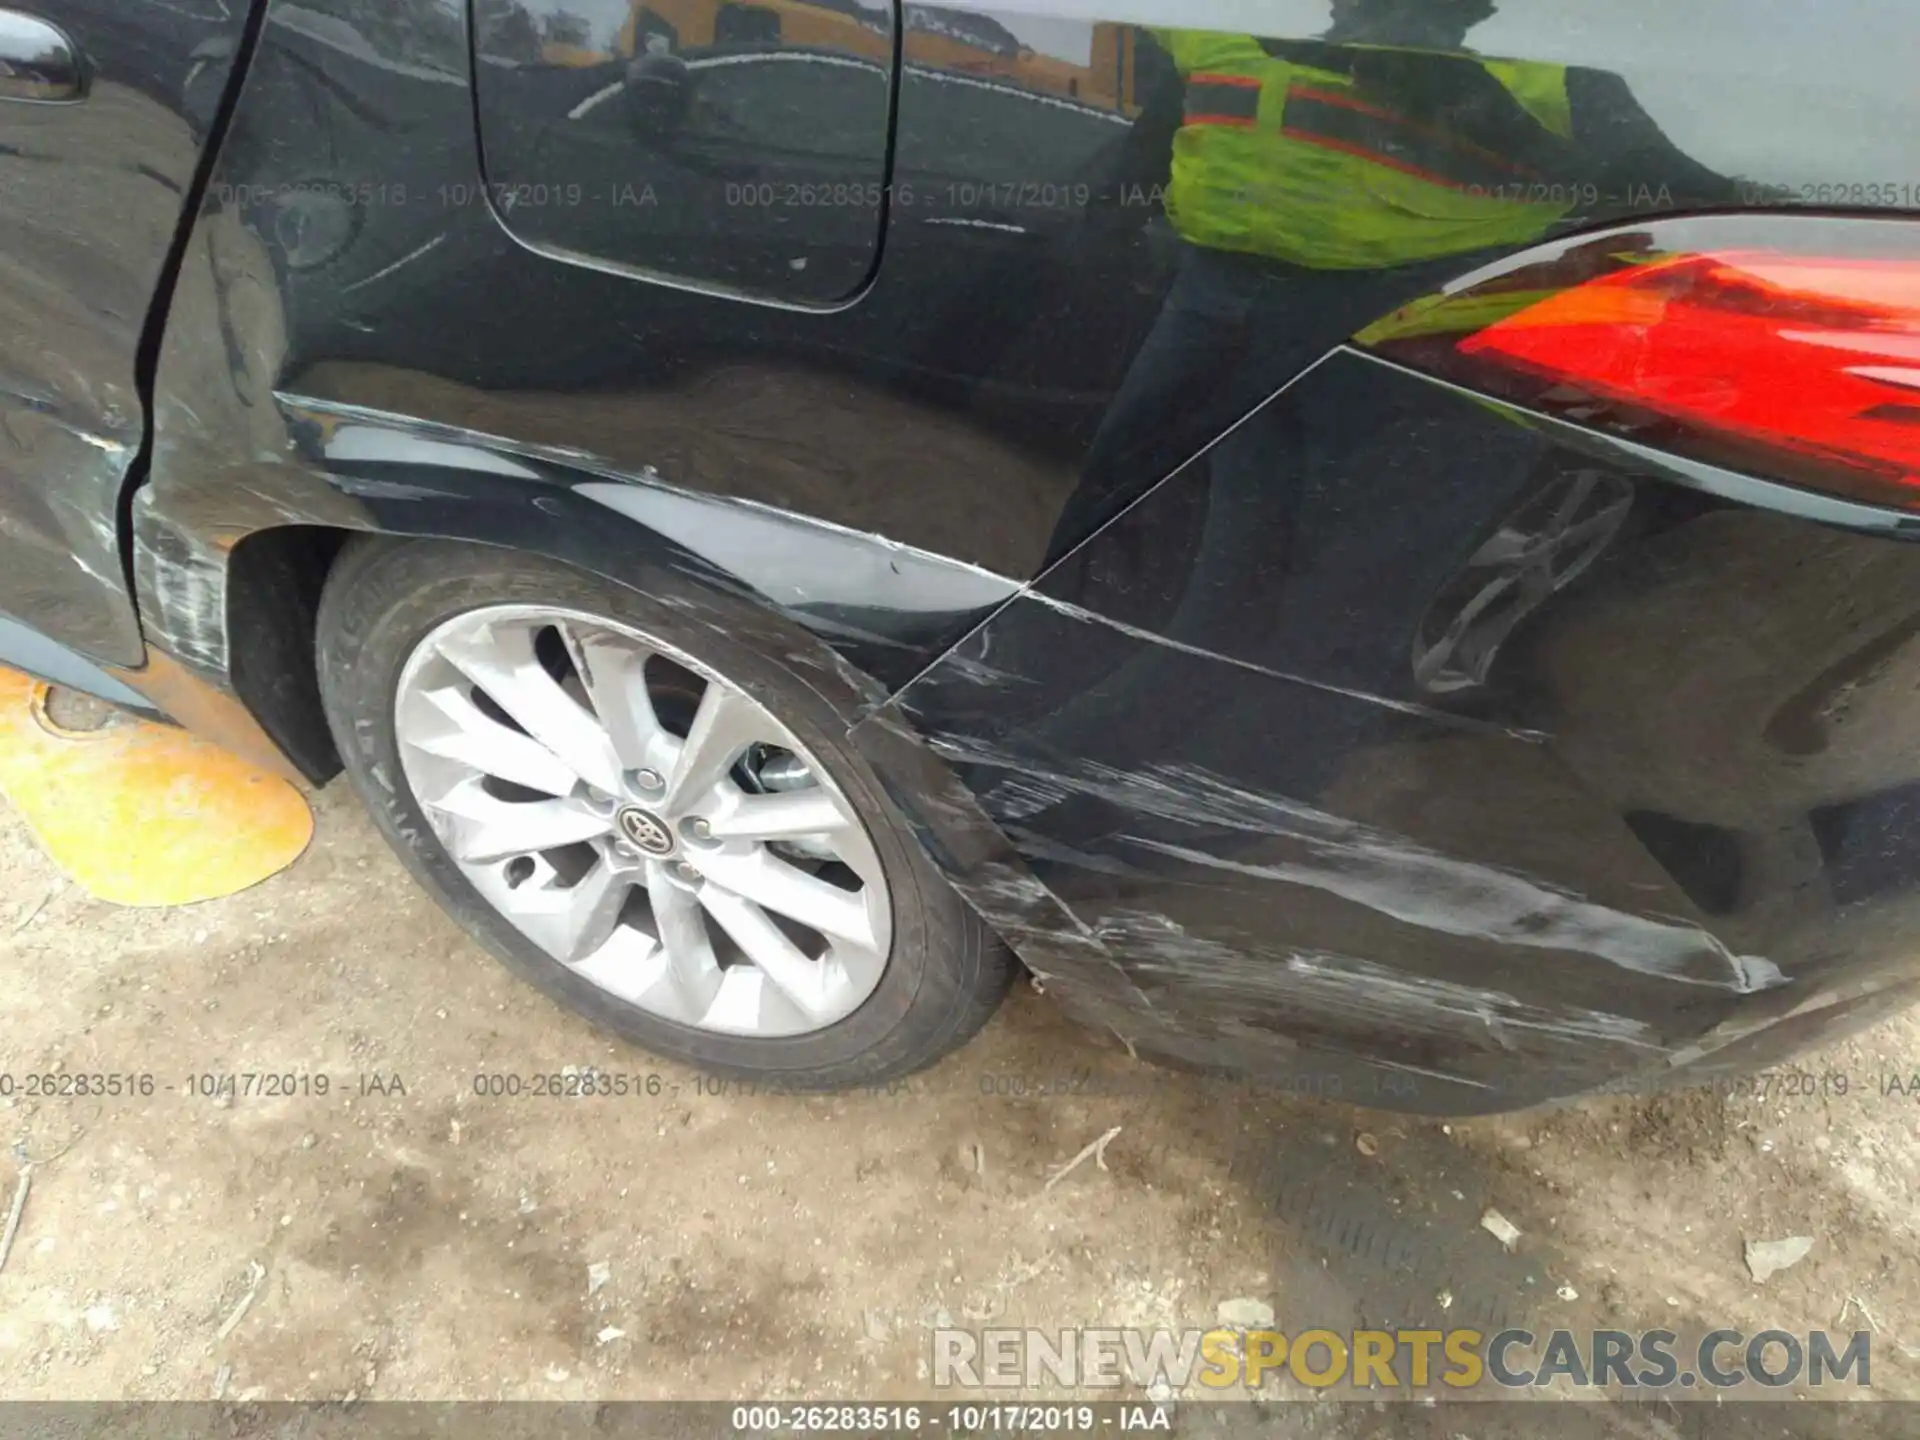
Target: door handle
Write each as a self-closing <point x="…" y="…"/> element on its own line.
<point x="37" y="61"/>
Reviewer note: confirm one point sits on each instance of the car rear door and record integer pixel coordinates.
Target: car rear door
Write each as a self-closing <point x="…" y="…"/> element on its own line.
<point x="105" y="106"/>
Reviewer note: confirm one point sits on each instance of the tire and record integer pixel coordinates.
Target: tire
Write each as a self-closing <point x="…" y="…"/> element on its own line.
<point x="944" y="973"/>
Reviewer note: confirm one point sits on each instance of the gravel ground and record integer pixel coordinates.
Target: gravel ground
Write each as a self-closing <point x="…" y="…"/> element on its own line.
<point x="402" y="1237"/>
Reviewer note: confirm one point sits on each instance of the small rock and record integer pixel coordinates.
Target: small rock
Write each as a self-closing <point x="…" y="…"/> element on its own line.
<point x="556" y="1374"/>
<point x="99" y="1318"/>
<point x="220" y="1379"/>
<point x="610" y="1334"/>
<point x="876" y="1325"/>
<point x="1567" y="1292"/>
<point x="1769" y="1257"/>
<point x="598" y="1274"/>
<point x="1245" y="1313"/>
<point x="1366" y="1145"/>
<point x="1501" y="1228"/>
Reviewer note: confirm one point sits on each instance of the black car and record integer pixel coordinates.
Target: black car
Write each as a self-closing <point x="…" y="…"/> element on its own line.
<point x="1374" y="554"/>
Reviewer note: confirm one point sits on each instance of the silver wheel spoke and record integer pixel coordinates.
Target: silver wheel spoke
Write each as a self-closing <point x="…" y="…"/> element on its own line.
<point x="795" y="815"/>
<point x="725" y="725"/>
<point x="574" y="923"/>
<point x="691" y="968"/>
<point x="856" y="852"/>
<point x="628" y="965"/>
<point x="766" y="879"/>
<point x="748" y="1001"/>
<point x="482" y="742"/>
<point x="786" y="967"/>
<point x="615" y="676"/>
<point x="502" y="663"/>
<point x="684" y="884"/>
<point x="487" y="829"/>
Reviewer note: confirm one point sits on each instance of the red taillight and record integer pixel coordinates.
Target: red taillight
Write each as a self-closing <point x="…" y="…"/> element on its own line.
<point x="1816" y="356"/>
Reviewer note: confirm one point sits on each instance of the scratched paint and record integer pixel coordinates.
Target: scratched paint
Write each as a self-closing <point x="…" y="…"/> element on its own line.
<point x="1236" y="980"/>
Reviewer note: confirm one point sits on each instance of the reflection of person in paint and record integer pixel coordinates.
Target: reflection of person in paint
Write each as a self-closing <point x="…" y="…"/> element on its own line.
<point x="1317" y="184"/>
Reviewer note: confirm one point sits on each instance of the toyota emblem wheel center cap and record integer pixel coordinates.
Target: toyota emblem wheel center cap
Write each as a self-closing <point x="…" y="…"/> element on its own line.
<point x="647" y="831"/>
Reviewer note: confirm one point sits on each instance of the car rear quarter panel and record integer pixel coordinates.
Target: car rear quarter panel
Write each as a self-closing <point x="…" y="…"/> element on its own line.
<point x="1155" y="707"/>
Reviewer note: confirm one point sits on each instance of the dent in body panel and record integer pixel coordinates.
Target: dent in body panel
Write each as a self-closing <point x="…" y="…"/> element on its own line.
<point x="808" y="412"/>
<point x="1332" y="998"/>
<point x="976" y="855"/>
<point x="93" y="194"/>
<point x="980" y="669"/>
<point x="183" y="592"/>
<point x="1667" y="812"/>
<point x="1162" y="916"/>
<point x="309" y="378"/>
<point x="1360" y="853"/>
<point x="235" y="455"/>
<point x="882" y="606"/>
<point x="1384" y="872"/>
<point x="876" y="606"/>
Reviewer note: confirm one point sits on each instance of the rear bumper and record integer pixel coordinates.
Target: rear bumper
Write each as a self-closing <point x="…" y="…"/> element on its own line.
<point x="1659" y="821"/>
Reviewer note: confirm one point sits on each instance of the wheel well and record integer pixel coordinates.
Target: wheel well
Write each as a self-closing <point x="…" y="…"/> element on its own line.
<point x="274" y="580"/>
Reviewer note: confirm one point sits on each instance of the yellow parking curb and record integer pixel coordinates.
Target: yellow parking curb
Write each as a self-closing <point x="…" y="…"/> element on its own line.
<point x="143" y="814"/>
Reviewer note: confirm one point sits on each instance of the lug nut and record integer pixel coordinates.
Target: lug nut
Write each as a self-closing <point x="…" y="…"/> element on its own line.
<point x="649" y="780"/>
<point x="685" y="872"/>
<point x="699" y="828"/>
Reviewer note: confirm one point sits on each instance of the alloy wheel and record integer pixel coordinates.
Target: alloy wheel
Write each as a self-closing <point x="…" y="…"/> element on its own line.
<point x="643" y="820"/>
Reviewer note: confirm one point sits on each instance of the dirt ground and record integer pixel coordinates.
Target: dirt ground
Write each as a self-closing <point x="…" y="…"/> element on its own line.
<point x="402" y="1236"/>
